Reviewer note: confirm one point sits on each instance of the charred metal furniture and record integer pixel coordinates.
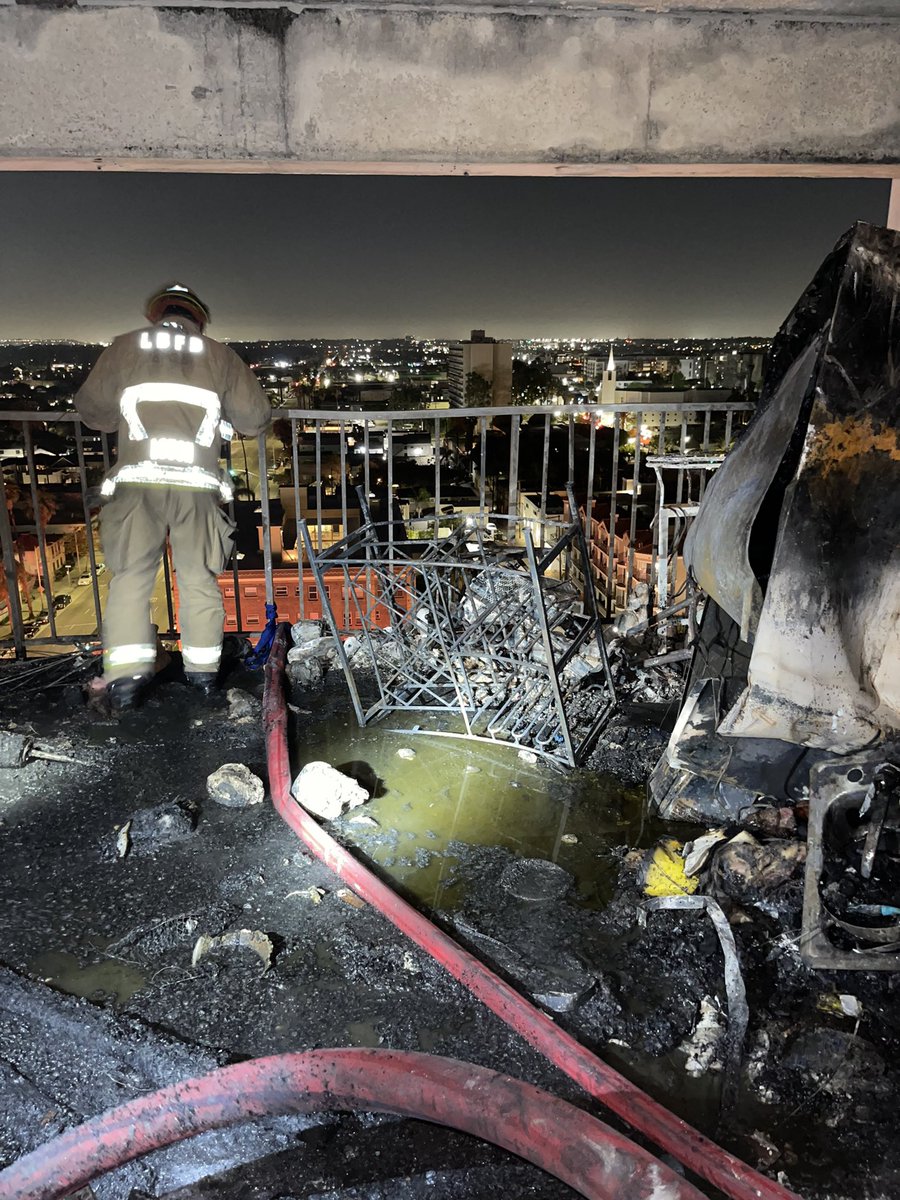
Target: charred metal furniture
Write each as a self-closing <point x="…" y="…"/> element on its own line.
<point x="476" y="629"/>
<point x="679" y="511"/>
<point x="843" y="793"/>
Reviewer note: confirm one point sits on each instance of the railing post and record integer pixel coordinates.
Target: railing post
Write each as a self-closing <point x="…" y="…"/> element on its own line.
<point x="88" y="532"/>
<point x="266" y="515"/>
<point x="13" y="602"/>
<point x="46" y="584"/>
<point x="632" y="528"/>
<point x="613" y="491"/>
<point x="513" y="489"/>
<point x="544" y="478"/>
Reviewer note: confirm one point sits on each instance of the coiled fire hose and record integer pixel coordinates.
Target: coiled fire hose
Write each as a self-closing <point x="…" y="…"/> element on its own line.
<point x="547" y="1131"/>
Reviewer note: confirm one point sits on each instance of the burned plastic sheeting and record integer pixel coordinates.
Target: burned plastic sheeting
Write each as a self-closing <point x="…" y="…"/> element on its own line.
<point x="718" y="543"/>
<point x="797" y="539"/>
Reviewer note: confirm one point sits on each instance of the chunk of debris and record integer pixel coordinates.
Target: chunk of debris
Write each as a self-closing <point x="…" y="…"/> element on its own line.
<point x="242" y="707"/>
<point x="249" y="939"/>
<point x="326" y="792"/>
<point x="315" y="894"/>
<point x="363" y="819"/>
<point x="535" y="879"/>
<point x="838" y="1061"/>
<point x="235" y="786"/>
<point x="738" y="1011"/>
<point x="555" y="979"/>
<point x="746" y="869"/>
<point x="406" y="752"/>
<point x="16" y="749"/>
<point x="840" y="1005"/>
<point x="148" y="941"/>
<point x="323" y="648"/>
<point x="528" y="756"/>
<point x="351" y="898"/>
<point x="569" y="839"/>
<point x="306" y="671"/>
<point x="766" y="1149"/>
<point x="123" y="841"/>
<point x="771" y="820"/>
<point x="697" y="852"/>
<point x="354" y="646"/>
<point x="151" y="828"/>
<point x="303" y="632"/>
<point x="702" y="1047"/>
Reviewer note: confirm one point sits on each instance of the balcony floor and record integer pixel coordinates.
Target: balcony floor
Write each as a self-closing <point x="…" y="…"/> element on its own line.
<point x="119" y="932"/>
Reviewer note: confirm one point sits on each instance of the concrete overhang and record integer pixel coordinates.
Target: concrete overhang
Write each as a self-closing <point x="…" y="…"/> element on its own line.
<point x="583" y="88"/>
<point x="813" y="10"/>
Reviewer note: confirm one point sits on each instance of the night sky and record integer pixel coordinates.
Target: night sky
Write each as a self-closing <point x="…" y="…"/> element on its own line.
<point x="296" y="256"/>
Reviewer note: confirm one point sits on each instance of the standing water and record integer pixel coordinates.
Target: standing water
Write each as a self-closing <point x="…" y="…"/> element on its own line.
<point x="433" y="797"/>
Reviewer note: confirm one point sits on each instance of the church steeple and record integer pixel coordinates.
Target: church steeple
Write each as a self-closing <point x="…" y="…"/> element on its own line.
<point x="608" y="384"/>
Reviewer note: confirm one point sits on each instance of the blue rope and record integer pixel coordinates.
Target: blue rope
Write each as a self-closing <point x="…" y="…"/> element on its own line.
<point x="260" y="654"/>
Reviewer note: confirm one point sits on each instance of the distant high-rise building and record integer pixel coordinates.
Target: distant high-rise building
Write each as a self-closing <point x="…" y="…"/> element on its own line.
<point x="483" y="356"/>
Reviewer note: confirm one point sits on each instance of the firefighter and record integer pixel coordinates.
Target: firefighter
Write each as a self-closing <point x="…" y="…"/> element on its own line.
<point x="172" y="395"/>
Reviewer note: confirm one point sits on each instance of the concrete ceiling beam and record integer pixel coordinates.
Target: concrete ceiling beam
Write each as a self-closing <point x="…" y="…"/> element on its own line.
<point x="446" y="91"/>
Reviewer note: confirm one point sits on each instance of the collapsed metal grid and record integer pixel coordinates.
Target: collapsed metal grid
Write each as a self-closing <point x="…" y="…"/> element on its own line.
<point x="473" y="629"/>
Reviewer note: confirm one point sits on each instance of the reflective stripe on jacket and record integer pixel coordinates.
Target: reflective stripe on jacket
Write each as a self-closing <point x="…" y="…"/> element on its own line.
<point x="172" y="395"/>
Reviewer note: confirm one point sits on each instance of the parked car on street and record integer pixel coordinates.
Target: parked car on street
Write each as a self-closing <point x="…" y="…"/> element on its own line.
<point x="61" y="600"/>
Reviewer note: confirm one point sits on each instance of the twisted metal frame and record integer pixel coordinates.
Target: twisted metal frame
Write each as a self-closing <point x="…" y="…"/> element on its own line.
<point x="467" y="627"/>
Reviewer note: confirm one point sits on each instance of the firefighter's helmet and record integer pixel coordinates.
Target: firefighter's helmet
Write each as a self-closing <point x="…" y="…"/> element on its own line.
<point x="176" y="298"/>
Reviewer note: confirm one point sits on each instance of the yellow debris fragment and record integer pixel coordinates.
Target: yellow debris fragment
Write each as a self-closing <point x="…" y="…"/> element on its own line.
<point x="664" y="874"/>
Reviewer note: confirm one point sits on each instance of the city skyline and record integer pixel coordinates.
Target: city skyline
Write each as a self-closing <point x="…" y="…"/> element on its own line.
<point x="324" y="258"/>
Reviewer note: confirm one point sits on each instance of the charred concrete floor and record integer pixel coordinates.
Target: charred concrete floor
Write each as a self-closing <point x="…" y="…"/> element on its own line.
<point x="99" y="1000"/>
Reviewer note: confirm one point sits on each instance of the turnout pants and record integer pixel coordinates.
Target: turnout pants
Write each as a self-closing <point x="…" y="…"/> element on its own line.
<point x="133" y="529"/>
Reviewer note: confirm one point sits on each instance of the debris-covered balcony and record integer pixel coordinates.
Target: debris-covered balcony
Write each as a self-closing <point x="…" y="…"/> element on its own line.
<point x="196" y="884"/>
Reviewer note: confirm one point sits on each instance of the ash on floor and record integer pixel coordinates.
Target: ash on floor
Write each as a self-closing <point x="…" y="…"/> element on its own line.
<point x="119" y="928"/>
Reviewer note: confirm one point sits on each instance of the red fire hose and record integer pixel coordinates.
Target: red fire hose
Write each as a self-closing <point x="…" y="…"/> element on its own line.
<point x="700" y="1155"/>
<point x="549" y="1132"/>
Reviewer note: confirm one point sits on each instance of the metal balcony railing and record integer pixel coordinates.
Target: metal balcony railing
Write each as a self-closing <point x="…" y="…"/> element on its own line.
<point x="515" y="462"/>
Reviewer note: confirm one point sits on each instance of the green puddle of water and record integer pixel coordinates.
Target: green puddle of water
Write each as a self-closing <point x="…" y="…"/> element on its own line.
<point x="456" y="791"/>
<point x="68" y="974"/>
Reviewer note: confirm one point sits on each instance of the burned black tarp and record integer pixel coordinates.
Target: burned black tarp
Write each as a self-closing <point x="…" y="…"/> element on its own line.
<point x="797" y="546"/>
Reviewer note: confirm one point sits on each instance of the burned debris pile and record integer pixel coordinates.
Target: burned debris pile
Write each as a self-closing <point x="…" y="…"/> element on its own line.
<point x="796" y="664"/>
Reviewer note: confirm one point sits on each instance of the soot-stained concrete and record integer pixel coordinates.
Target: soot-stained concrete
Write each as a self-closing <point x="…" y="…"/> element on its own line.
<point x="116" y="864"/>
